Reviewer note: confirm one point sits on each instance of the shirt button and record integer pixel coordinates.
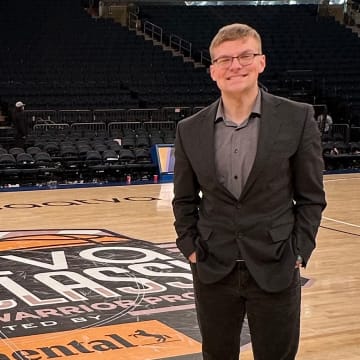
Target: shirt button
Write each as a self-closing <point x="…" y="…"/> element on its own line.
<point x="236" y="151"/>
<point x="235" y="177"/>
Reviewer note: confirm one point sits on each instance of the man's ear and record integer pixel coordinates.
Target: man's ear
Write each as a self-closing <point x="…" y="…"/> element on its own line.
<point x="262" y="64"/>
<point x="212" y="72"/>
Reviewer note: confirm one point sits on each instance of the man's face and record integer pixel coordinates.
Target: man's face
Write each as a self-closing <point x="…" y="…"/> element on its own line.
<point x="235" y="78"/>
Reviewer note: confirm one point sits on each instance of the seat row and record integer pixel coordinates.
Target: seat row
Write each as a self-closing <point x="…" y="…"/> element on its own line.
<point x="339" y="155"/>
<point x="42" y="167"/>
<point x="68" y="153"/>
<point x="116" y="140"/>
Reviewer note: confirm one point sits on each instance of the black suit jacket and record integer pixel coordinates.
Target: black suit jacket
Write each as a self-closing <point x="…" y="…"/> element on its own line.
<point x="279" y="211"/>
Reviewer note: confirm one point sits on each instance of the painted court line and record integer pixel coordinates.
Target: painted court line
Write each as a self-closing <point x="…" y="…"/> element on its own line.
<point x="341" y="222"/>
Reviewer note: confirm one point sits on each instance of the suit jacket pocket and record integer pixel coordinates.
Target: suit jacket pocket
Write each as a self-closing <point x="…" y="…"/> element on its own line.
<point x="205" y="232"/>
<point x="281" y="232"/>
<point x="202" y="249"/>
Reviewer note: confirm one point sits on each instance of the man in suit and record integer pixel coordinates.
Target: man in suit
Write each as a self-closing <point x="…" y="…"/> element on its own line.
<point x="248" y="198"/>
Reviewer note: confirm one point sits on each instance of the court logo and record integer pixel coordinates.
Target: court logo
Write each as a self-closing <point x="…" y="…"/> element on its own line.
<point x="79" y="293"/>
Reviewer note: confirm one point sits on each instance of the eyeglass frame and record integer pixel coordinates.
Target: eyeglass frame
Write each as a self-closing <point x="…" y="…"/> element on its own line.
<point x="238" y="57"/>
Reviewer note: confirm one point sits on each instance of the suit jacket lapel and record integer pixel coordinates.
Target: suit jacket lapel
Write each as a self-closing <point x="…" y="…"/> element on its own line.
<point x="269" y="128"/>
<point x="206" y="137"/>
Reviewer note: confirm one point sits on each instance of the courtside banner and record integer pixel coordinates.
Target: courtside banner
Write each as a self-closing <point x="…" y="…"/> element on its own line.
<point x="82" y="294"/>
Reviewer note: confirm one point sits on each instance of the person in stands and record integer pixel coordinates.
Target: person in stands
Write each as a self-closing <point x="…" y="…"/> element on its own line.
<point x="20" y="124"/>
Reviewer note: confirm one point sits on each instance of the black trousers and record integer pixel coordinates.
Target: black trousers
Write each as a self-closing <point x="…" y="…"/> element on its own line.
<point x="273" y="318"/>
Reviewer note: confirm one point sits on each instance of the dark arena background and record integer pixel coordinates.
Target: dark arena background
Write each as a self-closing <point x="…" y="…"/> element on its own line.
<point x="89" y="265"/>
<point x="103" y="81"/>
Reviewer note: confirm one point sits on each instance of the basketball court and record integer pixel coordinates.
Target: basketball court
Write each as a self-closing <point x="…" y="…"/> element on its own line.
<point x="94" y="271"/>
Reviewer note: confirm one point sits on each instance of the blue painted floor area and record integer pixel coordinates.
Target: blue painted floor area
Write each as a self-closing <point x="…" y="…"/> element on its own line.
<point x="54" y="185"/>
<point x="162" y="180"/>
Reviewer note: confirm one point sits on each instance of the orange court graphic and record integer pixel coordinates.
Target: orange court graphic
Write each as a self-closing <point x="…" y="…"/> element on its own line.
<point x="140" y="340"/>
<point x="83" y="292"/>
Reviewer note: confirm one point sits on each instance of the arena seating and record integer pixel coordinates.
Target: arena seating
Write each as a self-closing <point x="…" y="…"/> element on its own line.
<point x="55" y="56"/>
<point x="308" y="55"/>
<point x="101" y="95"/>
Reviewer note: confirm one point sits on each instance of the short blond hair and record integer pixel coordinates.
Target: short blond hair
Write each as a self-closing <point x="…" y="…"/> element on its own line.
<point x="234" y="32"/>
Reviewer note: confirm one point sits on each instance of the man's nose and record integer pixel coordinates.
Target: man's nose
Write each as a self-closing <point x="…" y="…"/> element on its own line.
<point x="235" y="63"/>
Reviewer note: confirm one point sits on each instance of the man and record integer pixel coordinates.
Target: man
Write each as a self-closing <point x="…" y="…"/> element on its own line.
<point x="20" y="123"/>
<point x="248" y="201"/>
<point x="325" y="122"/>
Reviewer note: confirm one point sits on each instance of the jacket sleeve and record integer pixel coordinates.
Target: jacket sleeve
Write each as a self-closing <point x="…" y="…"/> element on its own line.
<point x="186" y="197"/>
<point x="309" y="195"/>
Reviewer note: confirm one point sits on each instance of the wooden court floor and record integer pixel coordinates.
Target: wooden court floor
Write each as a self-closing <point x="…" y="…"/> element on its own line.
<point x="331" y="303"/>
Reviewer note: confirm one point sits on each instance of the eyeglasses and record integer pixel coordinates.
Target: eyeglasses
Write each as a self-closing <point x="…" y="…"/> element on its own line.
<point x="244" y="59"/>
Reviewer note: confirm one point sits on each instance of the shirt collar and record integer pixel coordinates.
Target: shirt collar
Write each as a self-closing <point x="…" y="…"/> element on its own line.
<point x="256" y="110"/>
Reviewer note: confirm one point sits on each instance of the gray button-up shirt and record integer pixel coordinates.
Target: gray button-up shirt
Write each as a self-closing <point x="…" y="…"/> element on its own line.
<point x="235" y="147"/>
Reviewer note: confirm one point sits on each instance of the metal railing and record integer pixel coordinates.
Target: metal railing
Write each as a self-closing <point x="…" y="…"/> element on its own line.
<point x="155" y="32"/>
<point x="338" y="132"/>
<point x="205" y="58"/>
<point x="74" y="116"/>
<point x="143" y="114"/>
<point x="107" y="116"/>
<point x="179" y="44"/>
<point x="95" y="127"/>
<point x="159" y="125"/>
<point x="134" y="22"/>
<point x="50" y="127"/>
<point x="175" y="113"/>
<point x="41" y="116"/>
